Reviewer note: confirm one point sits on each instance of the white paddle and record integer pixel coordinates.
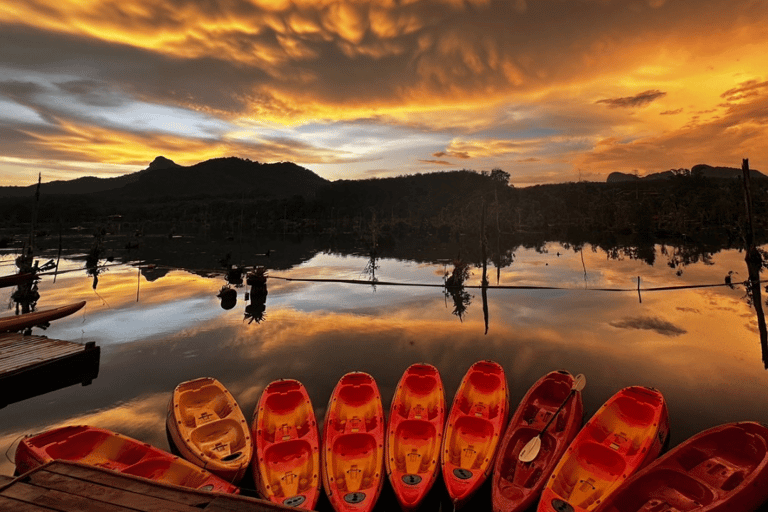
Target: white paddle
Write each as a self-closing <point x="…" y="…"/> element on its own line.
<point x="532" y="447"/>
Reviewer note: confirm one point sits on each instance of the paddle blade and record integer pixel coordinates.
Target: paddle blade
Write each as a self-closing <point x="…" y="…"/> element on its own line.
<point x="579" y="382"/>
<point x="530" y="450"/>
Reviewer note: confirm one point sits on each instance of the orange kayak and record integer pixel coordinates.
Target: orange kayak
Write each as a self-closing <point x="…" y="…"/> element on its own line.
<point x="415" y="434"/>
<point x="722" y="469"/>
<point x="353" y="444"/>
<point x="517" y="485"/>
<point x="18" y="322"/>
<point x="623" y="436"/>
<point x="103" y="448"/>
<point x="475" y="424"/>
<point x="208" y="428"/>
<point x="286" y="465"/>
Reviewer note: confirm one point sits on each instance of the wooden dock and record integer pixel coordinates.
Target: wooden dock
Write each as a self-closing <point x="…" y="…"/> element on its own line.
<point x="65" y="486"/>
<point x="34" y="365"/>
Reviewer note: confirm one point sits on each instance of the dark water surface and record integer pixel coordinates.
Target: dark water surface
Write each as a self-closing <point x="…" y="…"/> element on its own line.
<point x="700" y="347"/>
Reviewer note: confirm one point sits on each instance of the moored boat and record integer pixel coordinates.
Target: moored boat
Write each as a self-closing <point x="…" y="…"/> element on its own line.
<point x="18" y="322"/>
<point x="623" y="436"/>
<point x="415" y="434"/>
<point x="286" y="462"/>
<point x="552" y="409"/>
<point x="475" y="423"/>
<point x="724" y="468"/>
<point x="353" y="444"/>
<point x="15" y="279"/>
<point x="106" y="449"/>
<point x="208" y="428"/>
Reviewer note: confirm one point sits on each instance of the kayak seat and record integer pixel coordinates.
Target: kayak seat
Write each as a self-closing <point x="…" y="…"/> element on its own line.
<point x="633" y="412"/>
<point x="719" y="473"/>
<point x="219" y="439"/>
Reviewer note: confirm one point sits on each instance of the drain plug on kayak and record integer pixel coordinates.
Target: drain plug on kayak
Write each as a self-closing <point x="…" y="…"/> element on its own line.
<point x="561" y="506"/>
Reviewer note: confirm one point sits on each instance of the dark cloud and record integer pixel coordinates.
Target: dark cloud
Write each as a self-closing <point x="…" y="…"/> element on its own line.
<point x="671" y="112"/>
<point x="435" y="162"/>
<point x="650" y="324"/>
<point x="639" y="100"/>
<point x="745" y="90"/>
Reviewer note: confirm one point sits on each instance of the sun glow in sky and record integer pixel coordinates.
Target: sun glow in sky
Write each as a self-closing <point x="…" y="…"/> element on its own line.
<point x="548" y="90"/>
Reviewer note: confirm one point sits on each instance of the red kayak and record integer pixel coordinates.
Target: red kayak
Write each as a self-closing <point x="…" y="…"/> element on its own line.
<point x="353" y="444"/>
<point x="18" y="322"/>
<point x="623" y="436"/>
<point x="415" y="434"/>
<point x="15" y="279"/>
<point x="516" y="485"/>
<point x="286" y="465"/>
<point x="475" y="424"/>
<point x="721" y="469"/>
<point x="109" y="450"/>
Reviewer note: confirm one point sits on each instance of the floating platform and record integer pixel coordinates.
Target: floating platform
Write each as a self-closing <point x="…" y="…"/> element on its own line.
<point x="65" y="486"/>
<point x="35" y="365"/>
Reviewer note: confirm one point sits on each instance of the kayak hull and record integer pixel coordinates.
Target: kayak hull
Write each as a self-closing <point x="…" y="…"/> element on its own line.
<point x="623" y="436"/>
<point x="26" y="320"/>
<point x="517" y="485"/>
<point x="208" y="428"/>
<point x="415" y="434"/>
<point x="724" y="468"/>
<point x="103" y="448"/>
<point x="475" y="423"/>
<point x="286" y="464"/>
<point x="353" y="444"/>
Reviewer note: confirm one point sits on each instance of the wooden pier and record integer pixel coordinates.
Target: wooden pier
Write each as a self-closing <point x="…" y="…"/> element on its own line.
<point x="34" y="365"/>
<point x="65" y="486"/>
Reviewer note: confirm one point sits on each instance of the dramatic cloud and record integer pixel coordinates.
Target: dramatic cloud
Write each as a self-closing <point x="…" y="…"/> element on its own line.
<point x="649" y="324"/>
<point x="638" y="100"/>
<point x="527" y="86"/>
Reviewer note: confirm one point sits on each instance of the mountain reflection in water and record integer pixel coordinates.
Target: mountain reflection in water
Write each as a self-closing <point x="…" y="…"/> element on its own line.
<point x="700" y="347"/>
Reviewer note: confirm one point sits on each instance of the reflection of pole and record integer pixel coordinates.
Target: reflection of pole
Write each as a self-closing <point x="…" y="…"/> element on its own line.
<point x="754" y="264"/>
<point x="484" y="280"/>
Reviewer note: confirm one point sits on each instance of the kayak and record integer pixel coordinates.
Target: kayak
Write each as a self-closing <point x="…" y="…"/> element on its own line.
<point x="623" y="436"/>
<point x="15" y="279"/>
<point x="353" y="444"/>
<point x="415" y="434"/>
<point x="286" y="465"/>
<point x="18" y="322"/>
<point x="517" y="485"/>
<point x="109" y="450"/>
<point x="207" y="427"/>
<point x="721" y="469"/>
<point x="475" y="424"/>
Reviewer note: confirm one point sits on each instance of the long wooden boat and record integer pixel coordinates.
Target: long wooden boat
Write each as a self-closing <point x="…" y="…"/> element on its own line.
<point x="208" y="428"/>
<point x="18" y="322"/>
<point x="623" y="436"/>
<point x="415" y="434"/>
<point x="516" y="485"/>
<point x="106" y="449"/>
<point x="721" y="469"/>
<point x="475" y="424"/>
<point x="353" y="444"/>
<point x="16" y="279"/>
<point x="286" y="464"/>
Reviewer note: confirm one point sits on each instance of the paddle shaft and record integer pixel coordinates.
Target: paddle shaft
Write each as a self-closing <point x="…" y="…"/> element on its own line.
<point x="552" y="418"/>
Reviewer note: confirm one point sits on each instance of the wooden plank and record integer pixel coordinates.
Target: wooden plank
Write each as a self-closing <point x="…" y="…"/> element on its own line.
<point x="58" y="500"/>
<point x="224" y="503"/>
<point x="12" y="505"/>
<point x="138" y="497"/>
<point x="5" y="479"/>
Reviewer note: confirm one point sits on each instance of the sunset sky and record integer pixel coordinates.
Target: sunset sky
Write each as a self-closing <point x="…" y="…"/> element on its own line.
<point x="547" y="90"/>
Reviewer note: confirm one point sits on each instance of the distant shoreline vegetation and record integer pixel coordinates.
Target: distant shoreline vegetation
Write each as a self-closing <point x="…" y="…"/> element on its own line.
<point x="238" y="197"/>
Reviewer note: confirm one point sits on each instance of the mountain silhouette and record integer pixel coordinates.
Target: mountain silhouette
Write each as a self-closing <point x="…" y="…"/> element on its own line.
<point x="215" y="177"/>
<point x="707" y="171"/>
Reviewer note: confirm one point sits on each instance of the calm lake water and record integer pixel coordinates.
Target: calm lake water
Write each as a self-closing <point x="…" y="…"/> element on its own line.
<point x="700" y="347"/>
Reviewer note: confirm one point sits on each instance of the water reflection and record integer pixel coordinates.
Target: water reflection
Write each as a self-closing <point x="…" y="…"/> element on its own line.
<point x="255" y="311"/>
<point x="697" y="345"/>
